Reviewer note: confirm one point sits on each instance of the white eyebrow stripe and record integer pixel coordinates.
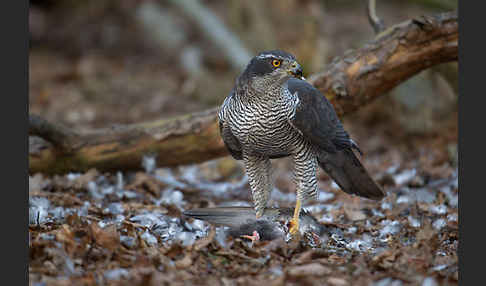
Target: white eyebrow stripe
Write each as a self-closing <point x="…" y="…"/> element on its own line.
<point x="265" y="56"/>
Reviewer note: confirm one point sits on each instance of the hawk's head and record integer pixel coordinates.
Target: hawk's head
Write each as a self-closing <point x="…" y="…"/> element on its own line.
<point x="272" y="67"/>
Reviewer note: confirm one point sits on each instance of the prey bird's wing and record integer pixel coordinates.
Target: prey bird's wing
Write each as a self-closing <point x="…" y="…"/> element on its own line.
<point x="316" y="119"/>
<point x="230" y="141"/>
<point x="242" y="221"/>
<point x="229" y="216"/>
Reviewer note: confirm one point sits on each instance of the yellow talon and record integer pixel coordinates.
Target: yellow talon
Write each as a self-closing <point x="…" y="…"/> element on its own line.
<point x="259" y="214"/>
<point x="294" y="222"/>
<point x="294" y="226"/>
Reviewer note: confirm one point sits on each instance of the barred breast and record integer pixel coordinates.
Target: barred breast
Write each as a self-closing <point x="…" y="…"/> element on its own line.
<point x="262" y="126"/>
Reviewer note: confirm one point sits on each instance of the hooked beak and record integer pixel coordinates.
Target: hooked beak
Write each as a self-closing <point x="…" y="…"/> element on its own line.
<point x="296" y="71"/>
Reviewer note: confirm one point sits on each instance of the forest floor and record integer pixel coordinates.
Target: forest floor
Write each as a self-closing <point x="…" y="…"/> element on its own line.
<point x="128" y="228"/>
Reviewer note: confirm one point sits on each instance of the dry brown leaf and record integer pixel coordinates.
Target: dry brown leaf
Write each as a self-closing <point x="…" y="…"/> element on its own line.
<point x="105" y="237"/>
<point x="145" y="182"/>
<point x="185" y="262"/>
<point x="83" y="180"/>
<point x="337" y="281"/>
<point x="385" y="259"/>
<point x="353" y="214"/>
<point x="308" y="269"/>
<point x="426" y="232"/>
<point x="205" y="241"/>
<point x="66" y="236"/>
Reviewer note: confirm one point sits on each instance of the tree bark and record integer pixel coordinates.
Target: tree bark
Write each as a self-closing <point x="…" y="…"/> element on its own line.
<point x="349" y="82"/>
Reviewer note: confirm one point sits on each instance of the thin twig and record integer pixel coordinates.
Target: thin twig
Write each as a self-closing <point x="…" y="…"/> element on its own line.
<point x="216" y="31"/>
<point x="377" y="23"/>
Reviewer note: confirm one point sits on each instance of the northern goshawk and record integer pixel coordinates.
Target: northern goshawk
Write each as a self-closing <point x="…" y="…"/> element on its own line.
<point x="272" y="113"/>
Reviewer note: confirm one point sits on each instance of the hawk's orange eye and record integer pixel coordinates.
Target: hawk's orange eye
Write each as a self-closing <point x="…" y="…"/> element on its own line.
<point x="276" y="63"/>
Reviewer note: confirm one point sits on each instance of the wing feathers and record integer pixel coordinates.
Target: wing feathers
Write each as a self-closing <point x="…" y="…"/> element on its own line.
<point x="316" y="119"/>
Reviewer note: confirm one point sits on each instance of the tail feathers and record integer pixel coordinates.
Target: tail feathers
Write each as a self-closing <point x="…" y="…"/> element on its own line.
<point x="348" y="172"/>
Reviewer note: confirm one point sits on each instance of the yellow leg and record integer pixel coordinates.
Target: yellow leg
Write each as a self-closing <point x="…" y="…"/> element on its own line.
<point x="259" y="214"/>
<point x="294" y="223"/>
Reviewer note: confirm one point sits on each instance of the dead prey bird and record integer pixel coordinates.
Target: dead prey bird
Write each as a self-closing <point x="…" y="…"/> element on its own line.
<point x="272" y="224"/>
<point x="272" y="113"/>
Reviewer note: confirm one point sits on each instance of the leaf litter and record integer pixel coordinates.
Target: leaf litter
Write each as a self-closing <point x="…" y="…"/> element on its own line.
<point x="128" y="229"/>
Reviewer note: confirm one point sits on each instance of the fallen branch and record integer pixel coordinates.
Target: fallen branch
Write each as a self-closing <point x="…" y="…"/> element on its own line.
<point x="349" y="82"/>
<point x="58" y="135"/>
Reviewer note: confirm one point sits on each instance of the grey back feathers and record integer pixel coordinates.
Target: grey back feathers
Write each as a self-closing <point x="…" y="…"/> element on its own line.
<point x="316" y="119"/>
